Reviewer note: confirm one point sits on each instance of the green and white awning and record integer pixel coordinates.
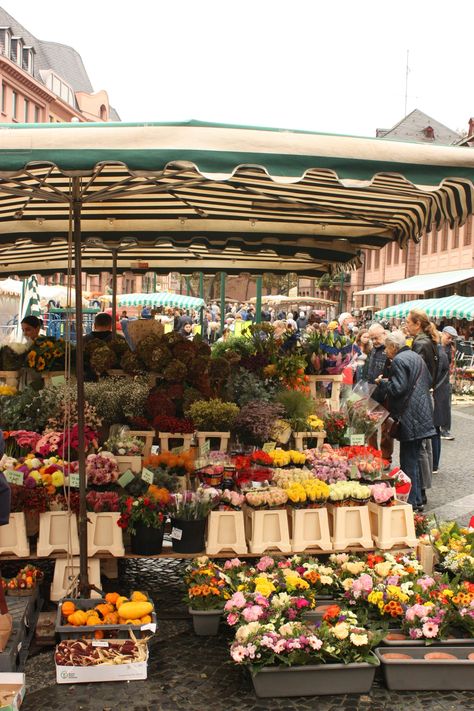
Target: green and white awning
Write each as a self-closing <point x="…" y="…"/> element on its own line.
<point x="446" y="307"/>
<point x="161" y="299"/>
<point x="293" y="192"/>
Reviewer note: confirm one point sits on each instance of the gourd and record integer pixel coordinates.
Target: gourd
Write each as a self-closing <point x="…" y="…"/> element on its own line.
<point x="138" y="596"/>
<point x="103" y="609"/>
<point x="78" y="618"/>
<point x="111" y="618"/>
<point x="145" y="620"/>
<point x="93" y="620"/>
<point x="120" y="600"/>
<point x="135" y="610"/>
<point x="67" y="608"/>
<point x="112" y="598"/>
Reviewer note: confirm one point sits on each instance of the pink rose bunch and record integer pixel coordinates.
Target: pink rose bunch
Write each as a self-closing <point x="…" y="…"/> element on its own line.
<point x="424" y="621"/>
<point x="26" y="439"/>
<point x="381" y="493"/>
<point x="362" y="584"/>
<point x="232" y="499"/>
<point x="101" y="469"/>
<point x="265" y="563"/>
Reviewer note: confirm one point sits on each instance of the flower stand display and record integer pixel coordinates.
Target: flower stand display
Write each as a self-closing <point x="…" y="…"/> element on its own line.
<point x="392" y="525"/>
<point x="148" y="436"/>
<point x="10" y="377"/>
<point x="206" y="622"/>
<point x="57" y="533"/>
<point x="433" y="668"/>
<point x="310" y="529"/>
<point x="65" y="572"/>
<point x="13" y="538"/>
<point x="226" y="532"/>
<point x="104" y="535"/>
<point x="126" y="462"/>
<point x="336" y="383"/>
<point x="300" y="437"/>
<point x="350" y="526"/>
<point x="267" y="529"/>
<point x="314" y="680"/>
<point x="185" y="440"/>
<point x="223" y="437"/>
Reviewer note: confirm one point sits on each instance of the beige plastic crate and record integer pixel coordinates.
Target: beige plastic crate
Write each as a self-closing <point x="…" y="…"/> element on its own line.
<point x="58" y="533"/>
<point x="392" y="525"/>
<point x="310" y="529"/>
<point x="13" y="538"/>
<point x="64" y="574"/>
<point x="226" y="532"/>
<point x="350" y="526"/>
<point x="267" y="530"/>
<point x="104" y="535"/>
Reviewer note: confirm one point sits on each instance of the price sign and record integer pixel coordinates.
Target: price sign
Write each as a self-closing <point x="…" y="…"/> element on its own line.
<point x="14" y="477"/>
<point x="151" y="626"/>
<point x="205" y="449"/>
<point x="99" y="643"/>
<point x="126" y="478"/>
<point x="177" y="450"/>
<point x="74" y="480"/>
<point x="58" y="380"/>
<point x="147" y="476"/>
<point x="357" y="439"/>
<point x="268" y="446"/>
<point x="176" y="533"/>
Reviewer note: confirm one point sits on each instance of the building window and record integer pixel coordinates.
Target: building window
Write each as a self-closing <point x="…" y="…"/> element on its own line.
<point x="389" y="253"/>
<point x="368" y="260"/>
<point x="468" y="231"/>
<point x="396" y="253"/>
<point x="14" y="104"/>
<point x="4" y="91"/>
<point x="103" y="117"/>
<point x="28" y="59"/>
<point x="424" y="243"/>
<point x="444" y="238"/>
<point x="58" y="86"/>
<point x="27" y="111"/>
<point x="377" y="259"/>
<point x="37" y="118"/>
<point x="434" y="241"/>
<point x="5" y="41"/>
<point x="455" y="242"/>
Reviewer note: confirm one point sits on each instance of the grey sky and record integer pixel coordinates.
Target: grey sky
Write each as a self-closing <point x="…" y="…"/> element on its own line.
<point x="325" y="66"/>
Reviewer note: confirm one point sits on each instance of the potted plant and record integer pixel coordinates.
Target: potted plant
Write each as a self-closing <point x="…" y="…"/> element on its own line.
<point x="188" y="513"/>
<point x="255" y="422"/>
<point x="206" y="594"/>
<point x="295" y="659"/>
<point x="213" y="419"/>
<point x="126" y="449"/>
<point x="144" y="518"/>
<point x="101" y="469"/>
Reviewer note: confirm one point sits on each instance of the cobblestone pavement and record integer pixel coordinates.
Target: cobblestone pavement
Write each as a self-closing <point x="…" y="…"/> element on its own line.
<point x="193" y="673"/>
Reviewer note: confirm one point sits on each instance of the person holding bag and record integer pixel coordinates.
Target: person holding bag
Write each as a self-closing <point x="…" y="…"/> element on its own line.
<point x="407" y="390"/>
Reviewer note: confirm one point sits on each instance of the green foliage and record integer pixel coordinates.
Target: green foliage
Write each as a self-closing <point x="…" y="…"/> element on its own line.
<point x="30" y="409"/>
<point x="244" y="386"/>
<point x="298" y="407"/>
<point x="234" y="348"/>
<point x="213" y="415"/>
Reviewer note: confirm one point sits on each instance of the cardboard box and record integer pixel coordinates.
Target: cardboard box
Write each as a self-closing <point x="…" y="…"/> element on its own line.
<point x="14" y="685"/>
<point x="102" y="672"/>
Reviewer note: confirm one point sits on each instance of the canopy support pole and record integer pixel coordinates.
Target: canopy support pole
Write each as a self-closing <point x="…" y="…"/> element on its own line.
<point x="84" y="587"/>
<point x="258" y="305"/>
<point x="223" y="278"/>
<point x="114" y="293"/>
<point x="201" y="296"/>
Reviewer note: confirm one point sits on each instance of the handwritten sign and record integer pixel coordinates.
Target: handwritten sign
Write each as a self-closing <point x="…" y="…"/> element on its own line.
<point x="126" y="478"/>
<point x="205" y="449"/>
<point x="268" y="446"/>
<point x="357" y="439"/>
<point x="176" y="533"/>
<point x="74" y="481"/>
<point x="14" y="477"/>
<point x="58" y="380"/>
<point x="147" y="476"/>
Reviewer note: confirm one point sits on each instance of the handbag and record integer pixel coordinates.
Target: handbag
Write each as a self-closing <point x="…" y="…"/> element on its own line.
<point x="394" y="425"/>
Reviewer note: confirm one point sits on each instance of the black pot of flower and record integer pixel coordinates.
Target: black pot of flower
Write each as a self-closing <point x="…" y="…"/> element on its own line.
<point x="146" y="540"/>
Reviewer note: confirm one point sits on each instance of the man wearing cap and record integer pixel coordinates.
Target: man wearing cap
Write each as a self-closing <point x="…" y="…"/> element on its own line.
<point x="448" y="336"/>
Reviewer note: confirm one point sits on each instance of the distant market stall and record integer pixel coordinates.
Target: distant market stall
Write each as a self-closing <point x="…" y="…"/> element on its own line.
<point x="459" y="307"/>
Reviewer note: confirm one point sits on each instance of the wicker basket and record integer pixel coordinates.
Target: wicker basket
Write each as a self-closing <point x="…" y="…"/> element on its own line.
<point x="144" y="327"/>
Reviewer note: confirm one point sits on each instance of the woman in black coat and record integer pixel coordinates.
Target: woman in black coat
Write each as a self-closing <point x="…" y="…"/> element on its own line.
<point x="442" y="405"/>
<point x="407" y="390"/>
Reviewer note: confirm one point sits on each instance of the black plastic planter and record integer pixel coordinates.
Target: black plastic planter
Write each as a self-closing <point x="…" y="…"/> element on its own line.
<point x="147" y="541"/>
<point x="188" y="536"/>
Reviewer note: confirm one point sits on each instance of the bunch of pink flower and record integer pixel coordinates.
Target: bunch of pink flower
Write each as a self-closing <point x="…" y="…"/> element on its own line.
<point x="259" y="645"/>
<point x="101" y="469"/>
<point x="49" y="443"/>
<point x="361" y="586"/>
<point x="381" y="493"/>
<point x="100" y="501"/>
<point x="254" y="607"/>
<point x="26" y="439"/>
<point x="424" y="621"/>
<point x="231" y="500"/>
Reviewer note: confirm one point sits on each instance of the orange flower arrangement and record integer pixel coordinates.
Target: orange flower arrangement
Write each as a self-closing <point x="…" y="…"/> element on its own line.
<point x="177" y="463"/>
<point x="393" y="608"/>
<point x="159" y="494"/>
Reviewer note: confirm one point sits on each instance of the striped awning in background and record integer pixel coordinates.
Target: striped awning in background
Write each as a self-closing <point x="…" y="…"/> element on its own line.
<point x="292" y="192"/>
<point x="161" y="299"/>
<point x="446" y="307"/>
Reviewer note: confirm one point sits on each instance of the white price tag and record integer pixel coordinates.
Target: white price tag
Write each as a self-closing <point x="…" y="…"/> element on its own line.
<point x="357" y="440"/>
<point x="176" y="533"/>
<point x="99" y="643"/>
<point x="151" y="626"/>
<point x="74" y="480"/>
<point x="147" y="476"/>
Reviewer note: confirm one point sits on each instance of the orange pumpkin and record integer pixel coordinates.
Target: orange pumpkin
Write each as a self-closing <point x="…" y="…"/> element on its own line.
<point x="111" y="618"/>
<point x="112" y="597"/>
<point x="67" y="608"/>
<point x="99" y="634"/>
<point x="78" y="618"/>
<point x="92" y="621"/>
<point x="145" y="620"/>
<point x="103" y="609"/>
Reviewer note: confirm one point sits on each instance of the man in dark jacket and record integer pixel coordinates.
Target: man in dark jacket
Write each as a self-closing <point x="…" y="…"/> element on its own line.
<point x="409" y="402"/>
<point x="377" y="365"/>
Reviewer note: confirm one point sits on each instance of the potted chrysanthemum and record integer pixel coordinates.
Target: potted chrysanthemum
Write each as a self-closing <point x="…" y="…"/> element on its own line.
<point x="206" y="594"/>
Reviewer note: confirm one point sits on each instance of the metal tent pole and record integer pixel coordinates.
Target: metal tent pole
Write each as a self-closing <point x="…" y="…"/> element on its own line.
<point x="84" y="587"/>
<point x="114" y="292"/>
<point x="258" y="305"/>
<point x="201" y="296"/>
<point x="223" y="278"/>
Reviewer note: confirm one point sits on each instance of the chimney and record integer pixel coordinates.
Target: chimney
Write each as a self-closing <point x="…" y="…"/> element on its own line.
<point x="470" y="130"/>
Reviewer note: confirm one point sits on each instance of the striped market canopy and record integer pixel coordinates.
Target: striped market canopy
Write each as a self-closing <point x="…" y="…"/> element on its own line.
<point x="291" y="192"/>
<point x="161" y="299"/>
<point x="446" y="307"/>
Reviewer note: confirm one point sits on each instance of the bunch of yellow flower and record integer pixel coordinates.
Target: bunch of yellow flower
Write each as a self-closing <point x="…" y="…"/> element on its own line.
<point x="315" y="423"/>
<point x="297" y="457"/>
<point x="280" y="457"/>
<point x="308" y="490"/>
<point x="7" y="390"/>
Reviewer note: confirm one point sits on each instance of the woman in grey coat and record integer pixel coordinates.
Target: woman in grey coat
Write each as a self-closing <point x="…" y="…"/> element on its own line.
<point x="409" y="401"/>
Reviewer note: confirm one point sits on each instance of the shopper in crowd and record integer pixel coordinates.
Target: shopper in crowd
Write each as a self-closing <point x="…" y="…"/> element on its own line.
<point x="187" y="331"/>
<point x="379" y="365"/>
<point x="407" y="390"/>
<point x="448" y="337"/>
<point x="425" y="343"/>
<point x="361" y="359"/>
<point x="301" y="321"/>
<point x="102" y="328"/>
<point x="345" y="321"/>
<point x="442" y="404"/>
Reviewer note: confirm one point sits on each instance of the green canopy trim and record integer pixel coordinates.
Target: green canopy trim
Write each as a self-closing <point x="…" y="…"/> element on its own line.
<point x="162" y="299"/>
<point x="447" y="307"/>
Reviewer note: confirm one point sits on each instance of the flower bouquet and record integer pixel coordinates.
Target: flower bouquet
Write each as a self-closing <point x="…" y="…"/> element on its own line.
<point x="349" y="493"/>
<point x="281" y="458"/>
<point x="102" y="501"/>
<point x="270" y="498"/>
<point x="206" y="586"/>
<point x="46" y="354"/>
<point x="335" y="425"/>
<point x="329" y="466"/>
<point x="308" y="493"/>
<point x="382" y="494"/>
<point x="123" y="444"/>
<point x="101" y="469"/>
<point x="231" y="500"/>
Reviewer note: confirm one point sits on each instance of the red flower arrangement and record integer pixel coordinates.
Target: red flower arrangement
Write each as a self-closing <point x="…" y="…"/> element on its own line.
<point x="176" y="425"/>
<point x="262" y="458"/>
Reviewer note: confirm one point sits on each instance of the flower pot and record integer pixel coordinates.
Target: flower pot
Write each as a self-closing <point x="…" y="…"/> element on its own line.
<point x="314" y="680"/>
<point x="147" y="540"/>
<point x="206" y="622"/>
<point x="421" y="674"/>
<point x="188" y="536"/>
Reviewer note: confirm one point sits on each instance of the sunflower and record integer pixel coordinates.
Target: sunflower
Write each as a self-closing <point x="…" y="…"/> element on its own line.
<point x="40" y="365"/>
<point x="31" y="358"/>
